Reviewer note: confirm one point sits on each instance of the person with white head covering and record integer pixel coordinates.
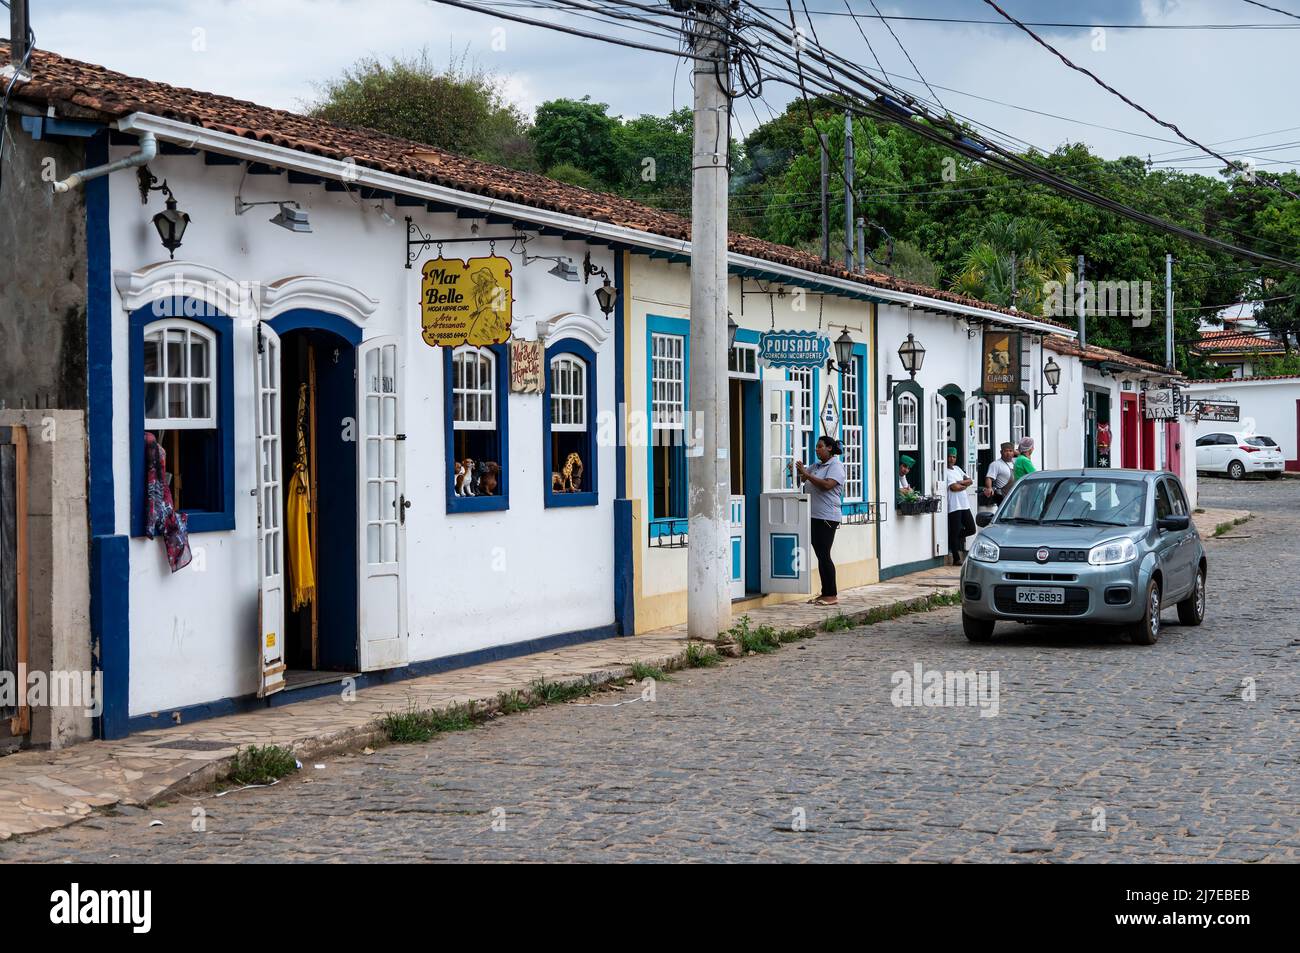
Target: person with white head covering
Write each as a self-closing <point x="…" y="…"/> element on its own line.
<point x="1024" y="465"/>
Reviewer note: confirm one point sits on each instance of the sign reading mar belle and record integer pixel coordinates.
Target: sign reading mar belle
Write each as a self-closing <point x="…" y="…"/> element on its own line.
<point x="465" y="302"/>
<point x="793" y="348"/>
<point x="526" y="367"/>
<point x="1001" y="362"/>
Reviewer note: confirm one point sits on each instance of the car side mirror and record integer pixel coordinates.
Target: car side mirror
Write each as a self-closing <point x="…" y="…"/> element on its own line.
<point x="1174" y="522"/>
<point x="983" y="519"/>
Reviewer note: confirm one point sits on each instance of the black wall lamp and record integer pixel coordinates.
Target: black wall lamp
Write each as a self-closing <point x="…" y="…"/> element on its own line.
<point x="843" y="351"/>
<point x="1052" y="375"/>
<point x="606" y="294"/>
<point x="170" y="222"/>
<point x="912" y="353"/>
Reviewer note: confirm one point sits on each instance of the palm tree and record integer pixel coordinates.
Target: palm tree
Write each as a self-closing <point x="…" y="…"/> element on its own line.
<point x="1024" y="247"/>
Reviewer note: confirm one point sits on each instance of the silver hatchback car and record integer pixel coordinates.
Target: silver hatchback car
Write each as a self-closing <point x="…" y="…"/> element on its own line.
<point x="1111" y="547"/>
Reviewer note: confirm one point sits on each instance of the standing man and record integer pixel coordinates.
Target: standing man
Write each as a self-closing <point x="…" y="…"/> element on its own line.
<point x="1023" y="465"/>
<point x="960" y="521"/>
<point x="998" y="477"/>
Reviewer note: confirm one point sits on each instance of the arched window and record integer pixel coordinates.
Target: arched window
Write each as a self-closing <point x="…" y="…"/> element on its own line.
<point x="1019" y="421"/>
<point x="909" y="433"/>
<point x="181" y="393"/>
<point x="907" y="422"/>
<point x="477" y="434"/>
<point x="569" y="425"/>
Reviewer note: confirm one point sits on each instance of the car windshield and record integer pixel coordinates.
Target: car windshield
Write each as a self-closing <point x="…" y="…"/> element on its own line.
<point x="1261" y="441"/>
<point x="1087" y="501"/>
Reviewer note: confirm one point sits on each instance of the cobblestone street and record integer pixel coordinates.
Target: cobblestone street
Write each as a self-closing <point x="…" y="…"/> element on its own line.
<point x="726" y="763"/>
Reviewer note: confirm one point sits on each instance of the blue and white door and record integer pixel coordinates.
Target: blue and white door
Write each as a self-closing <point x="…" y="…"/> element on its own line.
<point x="784" y="526"/>
<point x="270" y="507"/>
<point x="737" y="547"/>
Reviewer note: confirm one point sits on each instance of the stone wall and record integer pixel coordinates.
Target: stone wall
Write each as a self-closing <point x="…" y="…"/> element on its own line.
<point x="42" y="275"/>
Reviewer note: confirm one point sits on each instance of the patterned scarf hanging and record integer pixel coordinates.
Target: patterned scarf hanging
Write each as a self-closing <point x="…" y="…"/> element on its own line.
<point x="161" y="518"/>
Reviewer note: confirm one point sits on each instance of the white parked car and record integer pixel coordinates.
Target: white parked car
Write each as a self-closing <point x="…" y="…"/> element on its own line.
<point x="1238" y="454"/>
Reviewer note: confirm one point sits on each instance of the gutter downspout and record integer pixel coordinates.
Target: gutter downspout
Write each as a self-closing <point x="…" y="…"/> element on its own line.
<point x="148" y="150"/>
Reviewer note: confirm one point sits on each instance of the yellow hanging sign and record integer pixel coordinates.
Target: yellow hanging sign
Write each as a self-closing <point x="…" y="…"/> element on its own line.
<point x="465" y="302"/>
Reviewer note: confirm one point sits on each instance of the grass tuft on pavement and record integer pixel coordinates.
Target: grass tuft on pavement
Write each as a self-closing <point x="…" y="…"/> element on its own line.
<point x="261" y="764"/>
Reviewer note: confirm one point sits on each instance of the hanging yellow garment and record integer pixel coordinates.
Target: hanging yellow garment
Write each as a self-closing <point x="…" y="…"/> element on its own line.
<point x="302" y="573"/>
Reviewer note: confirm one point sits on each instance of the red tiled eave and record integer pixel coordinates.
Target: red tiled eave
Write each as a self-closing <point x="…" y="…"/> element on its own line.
<point x="88" y="91"/>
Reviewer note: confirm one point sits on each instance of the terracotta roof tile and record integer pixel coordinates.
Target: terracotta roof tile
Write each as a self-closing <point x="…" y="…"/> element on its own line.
<point x="1229" y="340"/>
<point x="63" y="82"/>
<point x="1092" y="353"/>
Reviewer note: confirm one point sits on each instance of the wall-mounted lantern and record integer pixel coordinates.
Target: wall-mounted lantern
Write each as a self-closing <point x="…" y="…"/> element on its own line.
<point x="1052" y="375"/>
<point x="912" y="353"/>
<point x="170" y="222"/>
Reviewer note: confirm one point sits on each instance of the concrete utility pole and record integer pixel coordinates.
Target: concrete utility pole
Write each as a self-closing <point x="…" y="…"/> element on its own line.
<point x="862" y="244"/>
<point x="826" y="198"/>
<point x="1169" y="312"/>
<point x="848" y="190"/>
<point x="708" y="596"/>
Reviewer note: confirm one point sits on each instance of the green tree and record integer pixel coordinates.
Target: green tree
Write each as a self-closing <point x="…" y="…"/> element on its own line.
<point x="1012" y="262"/>
<point x="456" y="108"/>
<point x="576" y="132"/>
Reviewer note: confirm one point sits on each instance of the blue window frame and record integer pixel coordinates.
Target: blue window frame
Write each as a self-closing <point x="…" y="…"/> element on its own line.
<point x="191" y="404"/>
<point x="569" y="424"/>
<point x="668" y="363"/>
<point x="476" y="421"/>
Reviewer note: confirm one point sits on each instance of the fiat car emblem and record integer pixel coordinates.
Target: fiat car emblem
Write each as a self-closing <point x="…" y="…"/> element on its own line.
<point x="1042" y="555"/>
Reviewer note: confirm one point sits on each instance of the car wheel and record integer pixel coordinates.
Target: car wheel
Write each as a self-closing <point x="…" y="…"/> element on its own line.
<point x="1236" y="470"/>
<point x="977" y="630"/>
<point x="1147" y="629"/>
<point x="1191" y="611"/>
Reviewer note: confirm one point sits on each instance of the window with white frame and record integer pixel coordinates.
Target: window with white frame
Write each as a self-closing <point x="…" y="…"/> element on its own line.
<point x="803" y="376"/>
<point x="179" y="377"/>
<point x="1019" y="417"/>
<point x="667" y="381"/>
<point x="477" y="422"/>
<point x="742" y="361"/>
<point x="568" y="394"/>
<point x="180" y="409"/>
<point x="907" y="421"/>
<point x="571" y="437"/>
<point x="668" y="424"/>
<point x="983" y="425"/>
<point x="851" y="430"/>
<point x="473" y="388"/>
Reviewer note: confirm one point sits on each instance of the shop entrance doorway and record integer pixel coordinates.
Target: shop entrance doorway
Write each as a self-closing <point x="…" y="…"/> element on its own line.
<point x="318" y="461"/>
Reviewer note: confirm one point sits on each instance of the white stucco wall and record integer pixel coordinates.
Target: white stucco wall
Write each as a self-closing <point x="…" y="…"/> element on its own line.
<point x="1267" y="407"/>
<point x="473" y="580"/>
<point x="952" y="358"/>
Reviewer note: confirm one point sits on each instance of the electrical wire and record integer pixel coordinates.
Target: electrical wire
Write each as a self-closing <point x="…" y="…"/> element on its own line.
<point x="1115" y="92"/>
<point x="1265" y="6"/>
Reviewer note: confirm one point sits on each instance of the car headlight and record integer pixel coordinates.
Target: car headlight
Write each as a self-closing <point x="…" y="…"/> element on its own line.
<point x="1113" y="552"/>
<point x="985" y="551"/>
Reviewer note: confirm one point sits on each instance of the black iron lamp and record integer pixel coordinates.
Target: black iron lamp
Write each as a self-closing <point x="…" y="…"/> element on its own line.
<point x="1052" y="375"/>
<point x="912" y="353"/>
<point x="607" y="297"/>
<point x="171" y="221"/>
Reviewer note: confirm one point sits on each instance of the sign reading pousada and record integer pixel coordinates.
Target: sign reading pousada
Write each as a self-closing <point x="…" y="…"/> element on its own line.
<point x="465" y="302"/>
<point x="793" y="348"/>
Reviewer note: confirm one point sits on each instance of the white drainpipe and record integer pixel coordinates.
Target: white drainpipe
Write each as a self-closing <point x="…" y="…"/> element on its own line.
<point x="148" y="149"/>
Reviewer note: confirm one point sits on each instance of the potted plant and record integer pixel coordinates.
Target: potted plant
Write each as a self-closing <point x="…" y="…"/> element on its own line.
<point x="909" y="503"/>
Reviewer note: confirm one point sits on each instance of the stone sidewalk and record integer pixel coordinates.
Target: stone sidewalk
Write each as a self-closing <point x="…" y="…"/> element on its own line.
<point x="41" y="790"/>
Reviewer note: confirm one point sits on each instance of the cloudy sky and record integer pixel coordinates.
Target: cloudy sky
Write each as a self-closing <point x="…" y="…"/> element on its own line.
<point x="1218" y="86"/>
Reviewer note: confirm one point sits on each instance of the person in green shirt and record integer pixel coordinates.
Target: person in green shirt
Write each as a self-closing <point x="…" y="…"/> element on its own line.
<point x="1024" y="465"/>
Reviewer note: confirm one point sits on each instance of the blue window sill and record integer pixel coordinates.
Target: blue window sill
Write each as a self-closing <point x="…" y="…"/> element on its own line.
<point x="477" y="504"/>
<point x="668" y="526"/>
<point x="197" y="523"/>
<point x="572" y="499"/>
